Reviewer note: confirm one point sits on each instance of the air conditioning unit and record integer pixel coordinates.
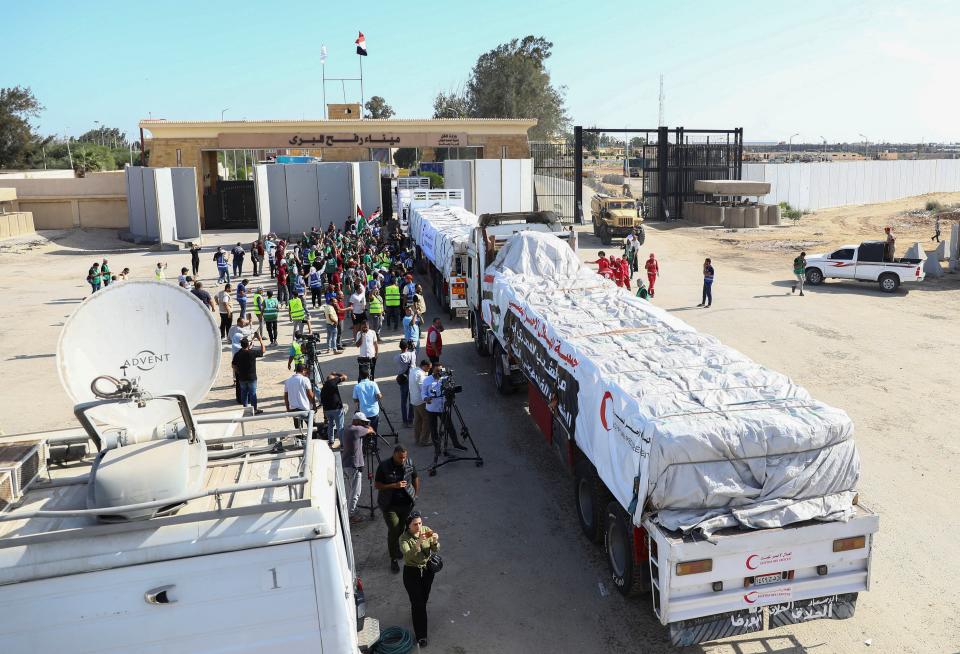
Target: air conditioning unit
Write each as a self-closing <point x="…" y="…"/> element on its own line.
<point x="22" y="462"/>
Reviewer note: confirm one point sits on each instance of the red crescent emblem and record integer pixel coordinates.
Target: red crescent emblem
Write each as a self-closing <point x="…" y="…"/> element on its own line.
<point x="749" y="565"/>
<point x="748" y="599"/>
<point x="603" y="410"/>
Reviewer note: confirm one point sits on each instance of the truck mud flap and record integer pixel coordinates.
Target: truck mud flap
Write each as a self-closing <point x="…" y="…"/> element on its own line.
<point x="715" y="627"/>
<point x="832" y="607"/>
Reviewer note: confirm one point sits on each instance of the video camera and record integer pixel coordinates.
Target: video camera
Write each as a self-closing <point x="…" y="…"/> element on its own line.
<point x="308" y="342"/>
<point x="448" y="385"/>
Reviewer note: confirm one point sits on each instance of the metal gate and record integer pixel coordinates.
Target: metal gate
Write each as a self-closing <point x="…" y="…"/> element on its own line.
<point x="670" y="160"/>
<point x="553" y="178"/>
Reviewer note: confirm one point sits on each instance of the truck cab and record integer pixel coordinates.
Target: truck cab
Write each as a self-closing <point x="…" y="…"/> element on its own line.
<point x="492" y="232"/>
<point x="867" y="262"/>
<point x="615" y="216"/>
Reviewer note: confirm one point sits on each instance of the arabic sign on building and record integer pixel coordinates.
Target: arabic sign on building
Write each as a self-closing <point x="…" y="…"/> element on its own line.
<point x="341" y="140"/>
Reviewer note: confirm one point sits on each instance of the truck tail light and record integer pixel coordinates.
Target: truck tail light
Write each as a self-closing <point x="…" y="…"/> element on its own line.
<point x="918" y="271"/>
<point x="694" y="567"/>
<point x="847" y="544"/>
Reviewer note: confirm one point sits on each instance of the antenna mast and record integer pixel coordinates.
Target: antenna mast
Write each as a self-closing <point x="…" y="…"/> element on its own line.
<point x="660" y="119"/>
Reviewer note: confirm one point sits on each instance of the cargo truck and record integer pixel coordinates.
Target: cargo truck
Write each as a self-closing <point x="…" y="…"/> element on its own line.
<point x="719" y="489"/>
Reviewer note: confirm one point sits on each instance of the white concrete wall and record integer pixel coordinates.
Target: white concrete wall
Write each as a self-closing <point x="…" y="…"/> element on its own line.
<point x="811" y="186"/>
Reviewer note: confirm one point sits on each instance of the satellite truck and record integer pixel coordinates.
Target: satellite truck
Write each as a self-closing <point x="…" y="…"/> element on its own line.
<point x="155" y="529"/>
<point x="721" y="491"/>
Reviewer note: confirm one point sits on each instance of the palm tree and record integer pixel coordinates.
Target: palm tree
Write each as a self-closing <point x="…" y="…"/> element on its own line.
<point x="84" y="161"/>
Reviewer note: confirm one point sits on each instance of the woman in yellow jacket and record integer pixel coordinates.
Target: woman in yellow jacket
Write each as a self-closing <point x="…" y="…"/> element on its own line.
<point x="417" y="543"/>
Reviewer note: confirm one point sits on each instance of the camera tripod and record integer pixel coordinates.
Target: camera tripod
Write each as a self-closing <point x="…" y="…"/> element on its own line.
<point x="371" y="461"/>
<point x="445" y="430"/>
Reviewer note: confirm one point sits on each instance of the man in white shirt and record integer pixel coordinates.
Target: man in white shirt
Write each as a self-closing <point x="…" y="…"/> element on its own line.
<point x="421" y="420"/>
<point x="237" y="333"/>
<point x="297" y="394"/>
<point x="432" y="390"/>
<point x="358" y="307"/>
<point x="369" y="346"/>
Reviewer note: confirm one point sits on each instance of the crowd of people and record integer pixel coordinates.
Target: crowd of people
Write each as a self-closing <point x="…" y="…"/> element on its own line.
<point x="350" y="288"/>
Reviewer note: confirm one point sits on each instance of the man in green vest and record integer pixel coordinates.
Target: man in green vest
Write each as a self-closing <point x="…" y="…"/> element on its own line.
<point x="105" y="274"/>
<point x="296" y="356"/>
<point x="375" y="310"/>
<point x="297" y="311"/>
<point x="271" y="311"/>
<point x="391" y="299"/>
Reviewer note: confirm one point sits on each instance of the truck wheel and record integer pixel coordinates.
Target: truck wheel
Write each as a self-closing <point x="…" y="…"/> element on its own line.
<point x="605" y="236"/>
<point x="629" y="576"/>
<point x="889" y="282"/>
<point x="814" y="276"/>
<point x="501" y="373"/>
<point x="591" y="497"/>
<point x="641" y="236"/>
<point x="478" y="332"/>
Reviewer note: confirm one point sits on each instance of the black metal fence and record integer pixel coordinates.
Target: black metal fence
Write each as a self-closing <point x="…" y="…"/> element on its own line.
<point x="553" y="178"/>
<point x="670" y="160"/>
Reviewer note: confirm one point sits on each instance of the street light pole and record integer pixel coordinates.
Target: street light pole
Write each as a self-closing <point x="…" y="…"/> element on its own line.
<point x="790" y="146"/>
<point x="865" y="141"/>
<point x="823" y="150"/>
<point x="223" y="111"/>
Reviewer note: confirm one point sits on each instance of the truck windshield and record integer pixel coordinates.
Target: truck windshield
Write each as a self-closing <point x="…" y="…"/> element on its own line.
<point x="621" y="205"/>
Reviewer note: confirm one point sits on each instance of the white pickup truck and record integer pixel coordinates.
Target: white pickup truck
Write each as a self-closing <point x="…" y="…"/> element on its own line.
<point x="865" y="263"/>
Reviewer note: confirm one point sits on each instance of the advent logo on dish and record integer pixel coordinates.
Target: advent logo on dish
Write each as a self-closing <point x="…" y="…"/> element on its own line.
<point x="146" y="360"/>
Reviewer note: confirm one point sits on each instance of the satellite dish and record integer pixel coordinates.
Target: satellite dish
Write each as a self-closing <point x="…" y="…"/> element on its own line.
<point x="154" y="331"/>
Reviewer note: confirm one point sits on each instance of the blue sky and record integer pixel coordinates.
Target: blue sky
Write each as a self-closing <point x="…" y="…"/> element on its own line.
<point x="837" y="69"/>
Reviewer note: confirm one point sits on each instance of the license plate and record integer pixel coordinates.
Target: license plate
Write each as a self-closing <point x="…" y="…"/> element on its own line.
<point x="763" y="580"/>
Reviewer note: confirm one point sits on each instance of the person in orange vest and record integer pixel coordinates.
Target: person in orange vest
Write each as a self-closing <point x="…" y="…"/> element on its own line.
<point x="615" y="273"/>
<point x="434" y="341"/>
<point x="653" y="270"/>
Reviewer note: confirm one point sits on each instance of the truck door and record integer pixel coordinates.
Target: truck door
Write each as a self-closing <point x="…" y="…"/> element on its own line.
<point x="841" y="264"/>
<point x="870" y="261"/>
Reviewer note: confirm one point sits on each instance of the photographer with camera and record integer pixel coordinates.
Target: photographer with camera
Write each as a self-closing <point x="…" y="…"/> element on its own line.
<point x="352" y="454"/>
<point x="332" y="405"/>
<point x="367" y="395"/>
<point x="369" y="345"/>
<point x="298" y="394"/>
<point x="398" y="484"/>
<point x="436" y="396"/>
<point x="421" y="419"/>
<point x="405" y="360"/>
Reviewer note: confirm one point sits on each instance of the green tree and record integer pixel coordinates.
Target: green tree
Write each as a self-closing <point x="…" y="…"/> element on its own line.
<point x="377" y="107"/>
<point x="511" y="81"/>
<point x="405" y="157"/>
<point x="18" y="141"/>
<point x="86" y="160"/>
<point x="110" y="137"/>
<point x="451" y="105"/>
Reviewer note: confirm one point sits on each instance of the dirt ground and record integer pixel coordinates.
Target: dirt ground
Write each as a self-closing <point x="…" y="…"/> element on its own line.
<point x="519" y="577"/>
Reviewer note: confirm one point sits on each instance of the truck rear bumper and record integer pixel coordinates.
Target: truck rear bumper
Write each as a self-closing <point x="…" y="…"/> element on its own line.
<point x="781" y="576"/>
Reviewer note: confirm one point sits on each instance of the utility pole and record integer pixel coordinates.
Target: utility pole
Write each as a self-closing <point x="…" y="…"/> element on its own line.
<point x="865" y="141"/>
<point x="823" y="150"/>
<point x="69" y="154"/>
<point x="790" y="146"/>
<point x="660" y="116"/>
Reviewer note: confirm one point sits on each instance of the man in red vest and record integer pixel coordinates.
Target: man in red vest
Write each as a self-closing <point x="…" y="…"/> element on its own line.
<point x="653" y="270"/>
<point x="434" y="341"/>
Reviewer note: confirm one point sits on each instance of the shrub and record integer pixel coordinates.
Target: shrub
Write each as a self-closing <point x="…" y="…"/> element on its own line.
<point x="436" y="180"/>
<point x="933" y="205"/>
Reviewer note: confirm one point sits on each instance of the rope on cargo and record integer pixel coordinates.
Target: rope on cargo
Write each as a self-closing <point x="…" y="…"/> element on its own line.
<point x="393" y="640"/>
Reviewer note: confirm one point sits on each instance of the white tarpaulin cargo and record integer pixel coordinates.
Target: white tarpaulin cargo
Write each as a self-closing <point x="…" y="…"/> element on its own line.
<point x="441" y="233"/>
<point x="711" y="438"/>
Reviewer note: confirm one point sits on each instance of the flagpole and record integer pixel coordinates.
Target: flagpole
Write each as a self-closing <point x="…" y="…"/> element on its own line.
<point x="361" y="84"/>
<point x="324" y="69"/>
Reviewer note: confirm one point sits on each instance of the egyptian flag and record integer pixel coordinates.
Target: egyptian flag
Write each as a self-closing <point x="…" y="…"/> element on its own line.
<point x="361" y="45"/>
<point x="361" y="221"/>
<point x="374" y="216"/>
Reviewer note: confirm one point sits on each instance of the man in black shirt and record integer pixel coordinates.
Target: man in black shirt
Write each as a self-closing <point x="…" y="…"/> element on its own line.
<point x="332" y="405"/>
<point x="245" y="369"/>
<point x="399" y="485"/>
<point x="195" y="258"/>
<point x="238" y="253"/>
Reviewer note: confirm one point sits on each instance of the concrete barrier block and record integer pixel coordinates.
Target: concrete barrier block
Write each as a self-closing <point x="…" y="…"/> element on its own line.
<point x="932" y="266"/>
<point x="915" y="251"/>
<point x="751" y="217"/>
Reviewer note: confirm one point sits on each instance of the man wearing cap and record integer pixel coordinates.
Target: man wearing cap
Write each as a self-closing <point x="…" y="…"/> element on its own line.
<point x="352" y="455"/>
<point x="891" y="243"/>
